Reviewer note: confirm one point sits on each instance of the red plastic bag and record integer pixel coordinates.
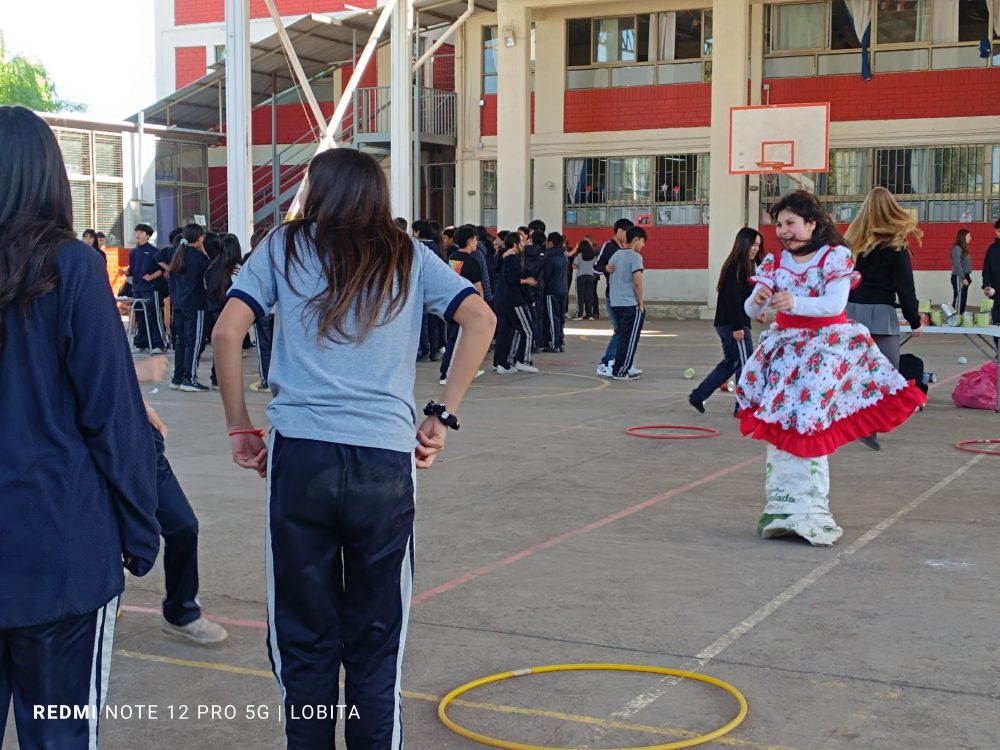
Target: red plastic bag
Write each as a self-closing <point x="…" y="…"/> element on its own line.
<point x="977" y="389"/>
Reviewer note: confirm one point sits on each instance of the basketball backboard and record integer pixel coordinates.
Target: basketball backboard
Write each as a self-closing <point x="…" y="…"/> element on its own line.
<point x="784" y="138"/>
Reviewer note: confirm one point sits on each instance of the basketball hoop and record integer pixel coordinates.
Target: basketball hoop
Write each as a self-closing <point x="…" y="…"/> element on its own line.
<point x="772" y="167"/>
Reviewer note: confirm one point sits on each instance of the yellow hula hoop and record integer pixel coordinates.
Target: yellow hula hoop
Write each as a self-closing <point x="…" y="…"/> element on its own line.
<point x="494" y="742"/>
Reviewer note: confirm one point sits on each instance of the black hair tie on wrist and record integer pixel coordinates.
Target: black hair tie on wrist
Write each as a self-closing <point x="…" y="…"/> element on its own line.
<point x="441" y="412"/>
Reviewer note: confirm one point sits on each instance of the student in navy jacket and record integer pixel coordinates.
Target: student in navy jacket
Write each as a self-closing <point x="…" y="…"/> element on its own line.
<point x="77" y="468"/>
<point x="145" y="272"/>
<point x="187" y="289"/>
<point x="555" y="279"/>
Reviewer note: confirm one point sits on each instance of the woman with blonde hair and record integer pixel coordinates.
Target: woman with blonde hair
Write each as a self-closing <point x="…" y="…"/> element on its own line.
<point x="879" y="240"/>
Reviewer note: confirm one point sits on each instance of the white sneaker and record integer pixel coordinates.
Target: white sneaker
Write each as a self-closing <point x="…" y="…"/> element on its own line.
<point x="604" y="371"/>
<point x="201" y="631"/>
<point x="443" y="381"/>
<point x="525" y="368"/>
<point x="634" y="371"/>
<point x="501" y="370"/>
<point x="478" y="373"/>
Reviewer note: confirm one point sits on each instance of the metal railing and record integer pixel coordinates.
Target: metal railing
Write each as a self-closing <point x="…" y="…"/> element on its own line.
<point x="373" y="112"/>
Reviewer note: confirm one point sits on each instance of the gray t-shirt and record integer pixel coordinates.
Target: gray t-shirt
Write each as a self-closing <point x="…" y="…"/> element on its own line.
<point x="352" y="393"/>
<point x="583" y="267"/>
<point x="622" y="288"/>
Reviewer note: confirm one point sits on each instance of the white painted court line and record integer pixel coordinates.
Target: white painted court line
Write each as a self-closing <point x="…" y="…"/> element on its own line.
<point x="708" y="653"/>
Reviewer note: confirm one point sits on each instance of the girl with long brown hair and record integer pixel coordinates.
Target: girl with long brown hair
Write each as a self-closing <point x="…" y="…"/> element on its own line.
<point x="349" y="291"/>
<point x="77" y="467"/>
<point x="961" y="270"/>
<point x="731" y="321"/>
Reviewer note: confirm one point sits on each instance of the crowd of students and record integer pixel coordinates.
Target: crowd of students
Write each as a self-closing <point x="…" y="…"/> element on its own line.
<point x="194" y="271"/>
<point x="525" y="276"/>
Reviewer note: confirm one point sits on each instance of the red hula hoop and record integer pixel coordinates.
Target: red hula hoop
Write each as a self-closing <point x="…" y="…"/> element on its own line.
<point x="961" y="445"/>
<point x="705" y="432"/>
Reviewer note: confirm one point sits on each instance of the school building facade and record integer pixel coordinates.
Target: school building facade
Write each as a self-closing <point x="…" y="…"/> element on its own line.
<point x="579" y="113"/>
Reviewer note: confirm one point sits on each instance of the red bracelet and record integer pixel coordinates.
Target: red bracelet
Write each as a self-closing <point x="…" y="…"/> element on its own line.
<point x="252" y="431"/>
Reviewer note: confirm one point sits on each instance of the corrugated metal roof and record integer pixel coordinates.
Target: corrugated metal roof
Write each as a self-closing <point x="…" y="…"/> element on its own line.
<point x="321" y="42"/>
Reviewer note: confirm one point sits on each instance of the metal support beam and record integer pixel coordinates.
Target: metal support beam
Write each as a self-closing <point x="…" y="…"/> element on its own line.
<point x="401" y="80"/>
<point x="415" y="166"/>
<point x="275" y="164"/>
<point x="300" y="74"/>
<point x="446" y="35"/>
<point x="328" y="142"/>
<point x="239" y="157"/>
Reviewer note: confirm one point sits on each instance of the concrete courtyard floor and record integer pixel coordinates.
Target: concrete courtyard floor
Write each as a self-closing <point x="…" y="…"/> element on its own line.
<point x="546" y="535"/>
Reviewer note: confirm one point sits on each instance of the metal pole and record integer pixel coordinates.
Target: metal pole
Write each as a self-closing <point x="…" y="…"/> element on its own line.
<point x="346" y="96"/>
<point x="417" y="123"/>
<point x="275" y="166"/>
<point x="400" y="98"/>
<point x="443" y="39"/>
<point x="293" y="58"/>
<point x="239" y="157"/>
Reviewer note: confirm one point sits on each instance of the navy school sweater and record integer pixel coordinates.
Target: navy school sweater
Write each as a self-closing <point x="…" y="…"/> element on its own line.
<point x="555" y="274"/>
<point x="142" y="261"/>
<point x="187" y="290"/>
<point x="77" y="464"/>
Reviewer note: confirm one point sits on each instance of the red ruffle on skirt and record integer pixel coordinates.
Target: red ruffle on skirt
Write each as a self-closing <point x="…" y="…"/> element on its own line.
<point x="883" y="416"/>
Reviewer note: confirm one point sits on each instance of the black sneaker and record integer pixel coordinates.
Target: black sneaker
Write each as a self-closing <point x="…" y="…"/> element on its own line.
<point x="175" y="385"/>
<point x="193" y="386"/>
<point x="696" y="403"/>
<point x="871" y="442"/>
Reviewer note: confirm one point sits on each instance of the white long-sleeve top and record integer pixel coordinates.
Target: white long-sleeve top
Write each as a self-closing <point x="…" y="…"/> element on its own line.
<point x="832" y="302"/>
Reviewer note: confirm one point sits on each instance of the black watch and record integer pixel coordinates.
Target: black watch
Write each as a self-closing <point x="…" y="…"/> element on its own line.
<point x="441" y="412"/>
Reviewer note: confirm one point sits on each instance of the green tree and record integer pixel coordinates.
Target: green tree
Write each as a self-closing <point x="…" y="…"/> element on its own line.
<point x="28" y="83"/>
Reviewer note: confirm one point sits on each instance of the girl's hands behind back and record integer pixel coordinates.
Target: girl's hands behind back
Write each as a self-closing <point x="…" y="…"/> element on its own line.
<point x="430" y="441"/>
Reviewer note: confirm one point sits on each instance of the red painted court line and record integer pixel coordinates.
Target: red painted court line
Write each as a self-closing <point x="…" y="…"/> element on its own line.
<point x="566" y="536"/>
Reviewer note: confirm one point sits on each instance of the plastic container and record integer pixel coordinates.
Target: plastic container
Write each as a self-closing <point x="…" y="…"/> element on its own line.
<point x="982" y="319"/>
<point x="936" y="318"/>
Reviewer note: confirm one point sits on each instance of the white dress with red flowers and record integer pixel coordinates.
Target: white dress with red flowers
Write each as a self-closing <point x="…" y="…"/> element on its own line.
<point x="814" y="384"/>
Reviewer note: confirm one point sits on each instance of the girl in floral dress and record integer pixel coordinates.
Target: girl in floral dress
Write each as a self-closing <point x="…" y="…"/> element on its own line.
<point x="817" y="380"/>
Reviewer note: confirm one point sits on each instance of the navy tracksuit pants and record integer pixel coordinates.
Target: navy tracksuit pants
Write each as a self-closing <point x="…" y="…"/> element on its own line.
<point x="179" y="527"/>
<point x="189" y="326"/>
<point x="64" y="663"/>
<point x="339" y="554"/>
<point x="265" y="336"/>
<point x="555" y="316"/>
<point x="149" y="319"/>
<point x="734" y="355"/>
<point x="454" y="332"/>
<point x="628" y="326"/>
<point x="514" y="336"/>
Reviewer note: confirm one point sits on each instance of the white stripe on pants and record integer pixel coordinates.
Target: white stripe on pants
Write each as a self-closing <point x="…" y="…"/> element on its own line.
<point x="100" y="669"/>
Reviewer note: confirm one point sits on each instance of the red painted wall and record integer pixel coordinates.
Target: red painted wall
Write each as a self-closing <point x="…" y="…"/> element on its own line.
<point x="189" y="65"/>
<point x="667" y="247"/>
<point x="444" y="68"/>
<point x="213" y="11"/>
<point x="895" y="96"/>
<point x="934" y="252"/>
<point x="294" y="121"/>
<point x="488" y="114"/>
<point x="638" y="108"/>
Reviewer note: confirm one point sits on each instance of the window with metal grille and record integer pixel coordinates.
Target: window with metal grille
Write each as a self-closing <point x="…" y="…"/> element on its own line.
<point x="107" y="155"/>
<point x="110" y="212"/>
<point x="667" y="189"/>
<point x="488" y="192"/>
<point x="76" y="150"/>
<point x="936" y="183"/>
<point x="83" y="204"/>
